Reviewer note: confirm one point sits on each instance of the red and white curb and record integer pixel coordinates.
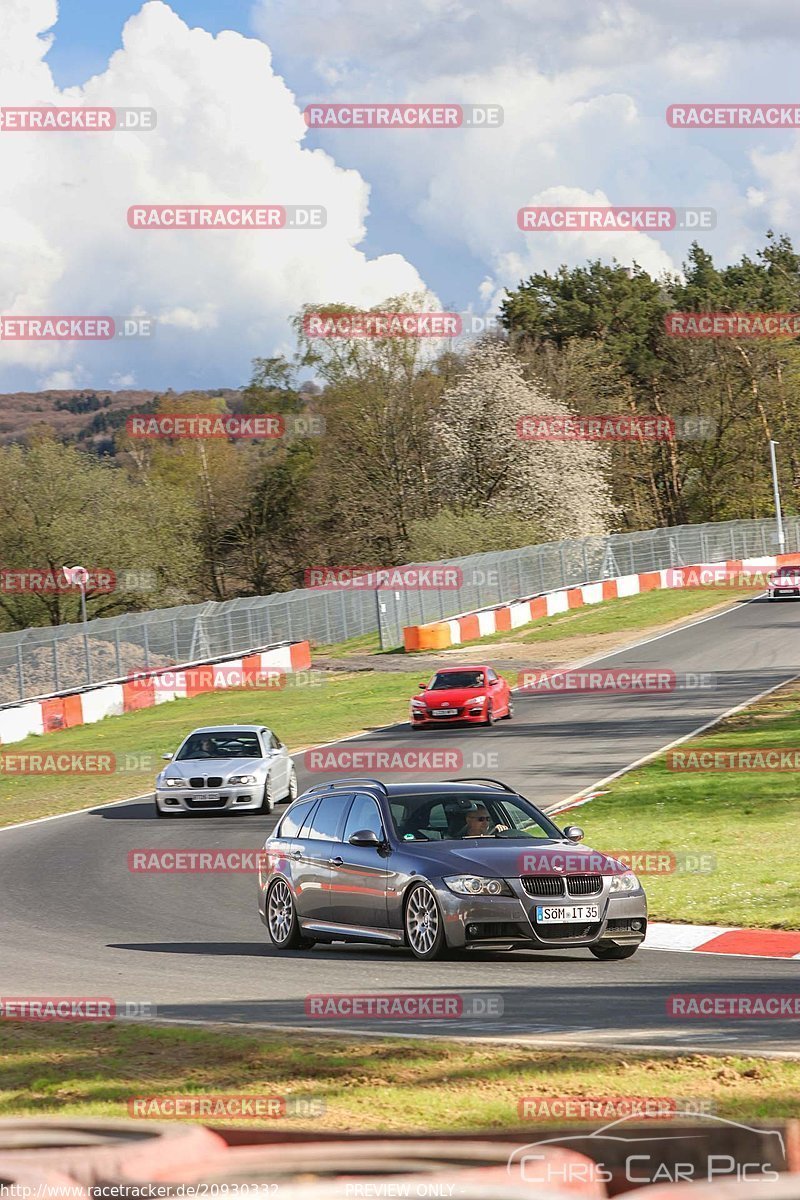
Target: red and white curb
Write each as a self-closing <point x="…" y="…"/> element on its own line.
<point x="724" y="939"/>
<point x="503" y="618"/>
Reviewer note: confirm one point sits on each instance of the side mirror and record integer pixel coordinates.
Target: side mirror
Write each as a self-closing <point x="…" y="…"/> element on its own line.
<point x="423" y="687"/>
<point x="167" y="757"/>
<point x="573" y="833"/>
<point x="365" y="837"/>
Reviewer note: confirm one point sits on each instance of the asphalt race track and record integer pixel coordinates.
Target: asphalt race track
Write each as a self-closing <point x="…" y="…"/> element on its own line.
<point x="77" y="922"/>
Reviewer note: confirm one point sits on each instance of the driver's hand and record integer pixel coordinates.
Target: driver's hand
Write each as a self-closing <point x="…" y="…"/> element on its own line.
<point x="497" y="828"/>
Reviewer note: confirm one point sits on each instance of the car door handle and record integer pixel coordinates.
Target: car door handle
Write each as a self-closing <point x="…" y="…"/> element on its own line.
<point x="335" y="862"/>
<point x="297" y="854"/>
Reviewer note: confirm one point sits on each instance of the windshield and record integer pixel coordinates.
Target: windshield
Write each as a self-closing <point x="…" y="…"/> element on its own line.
<point x="449" y="818"/>
<point x="456" y="679"/>
<point x="794" y="570"/>
<point x="220" y="745"/>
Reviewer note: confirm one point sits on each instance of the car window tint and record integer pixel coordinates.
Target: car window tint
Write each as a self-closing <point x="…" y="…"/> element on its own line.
<point x="275" y="743"/>
<point x="364" y="814"/>
<point x="325" y="821"/>
<point x="220" y="745"/>
<point x="293" y="820"/>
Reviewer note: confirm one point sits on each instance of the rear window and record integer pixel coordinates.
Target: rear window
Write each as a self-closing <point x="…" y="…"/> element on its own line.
<point x="327" y="819"/>
<point x="293" y="820"/>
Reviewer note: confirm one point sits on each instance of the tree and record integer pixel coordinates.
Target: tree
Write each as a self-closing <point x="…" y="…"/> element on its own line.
<point x="483" y="465"/>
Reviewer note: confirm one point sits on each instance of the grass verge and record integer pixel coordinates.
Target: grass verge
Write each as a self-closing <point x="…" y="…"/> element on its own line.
<point x="89" y="1070"/>
<point x="630" y="614"/>
<point x="744" y="821"/>
<point x="335" y="705"/>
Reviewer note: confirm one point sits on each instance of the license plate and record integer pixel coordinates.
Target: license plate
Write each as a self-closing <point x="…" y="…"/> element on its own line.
<point x="205" y="796"/>
<point x="444" y="712"/>
<point x="547" y="914"/>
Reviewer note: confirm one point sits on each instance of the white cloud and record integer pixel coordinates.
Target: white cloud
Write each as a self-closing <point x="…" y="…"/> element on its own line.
<point x="229" y="131"/>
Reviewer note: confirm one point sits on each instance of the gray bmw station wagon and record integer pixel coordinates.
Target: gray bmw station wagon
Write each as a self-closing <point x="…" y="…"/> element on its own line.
<point x="467" y="863"/>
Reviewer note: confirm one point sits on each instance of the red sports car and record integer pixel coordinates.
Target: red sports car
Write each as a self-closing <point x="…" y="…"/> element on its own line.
<point x="477" y="695"/>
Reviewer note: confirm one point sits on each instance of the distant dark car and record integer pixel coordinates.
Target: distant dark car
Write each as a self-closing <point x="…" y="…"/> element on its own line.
<point x="785" y="582"/>
<point x="474" y="694"/>
<point x="439" y="866"/>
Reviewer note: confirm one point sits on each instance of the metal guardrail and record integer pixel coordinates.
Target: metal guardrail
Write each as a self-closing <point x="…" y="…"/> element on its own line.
<point x="49" y="659"/>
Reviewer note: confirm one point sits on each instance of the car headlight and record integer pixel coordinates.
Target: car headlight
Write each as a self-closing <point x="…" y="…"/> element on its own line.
<point x="474" y="885"/>
<point x="626" y="882"/>
<point x="477" y="700"/>
<point x="418" y="704"/>
<point x="174" y="783"/>
<point x="241" y="780"/>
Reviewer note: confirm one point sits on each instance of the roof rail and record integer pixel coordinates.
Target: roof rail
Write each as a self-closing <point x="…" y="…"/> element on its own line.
<point x="481" y="779"/>
<point x="346" y="783"/>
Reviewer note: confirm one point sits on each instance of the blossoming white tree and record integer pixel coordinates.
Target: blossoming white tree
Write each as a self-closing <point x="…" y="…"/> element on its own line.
<point x="563" y="487"/>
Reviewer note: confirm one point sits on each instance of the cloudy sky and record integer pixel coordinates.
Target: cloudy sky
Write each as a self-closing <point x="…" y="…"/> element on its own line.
<point x="584" y="87"/>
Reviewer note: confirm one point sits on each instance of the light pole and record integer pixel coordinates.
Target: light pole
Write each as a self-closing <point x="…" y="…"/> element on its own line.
<point x="776" y="491"/>
<point x="80" y="577"/>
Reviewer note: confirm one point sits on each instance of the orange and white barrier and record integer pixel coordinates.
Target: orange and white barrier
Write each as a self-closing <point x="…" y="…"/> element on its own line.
<point x="148" y="688"/>
<point x="468" y="627"/>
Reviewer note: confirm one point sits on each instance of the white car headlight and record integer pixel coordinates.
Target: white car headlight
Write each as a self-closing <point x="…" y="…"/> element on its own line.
<point x="418" y="704"/>
<point x="477" y="700"/>
<point x="475" y="885"/>
<point x="174" y="783"/>
<point x="626" y="882"/>
<point x="241" y="780"/>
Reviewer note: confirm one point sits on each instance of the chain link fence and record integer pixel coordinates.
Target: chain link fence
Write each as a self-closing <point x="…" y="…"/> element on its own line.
<point x="49" y="659"/>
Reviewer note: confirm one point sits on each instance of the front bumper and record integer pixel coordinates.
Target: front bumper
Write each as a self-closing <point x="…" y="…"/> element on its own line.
<point x="783" y="593"/>
<point x="483" y="920"/>
<point x="218" y="800"/>
<point x="465" y="716"/>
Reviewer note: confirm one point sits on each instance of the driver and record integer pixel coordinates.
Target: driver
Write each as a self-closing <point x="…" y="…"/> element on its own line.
<point x="207" y="748"/>
<point x="478" y="822"/>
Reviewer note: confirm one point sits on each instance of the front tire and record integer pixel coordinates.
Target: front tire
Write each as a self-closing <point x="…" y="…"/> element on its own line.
<point x="489" y="722"/>
<point x="293" y="789"/>
<point x="282" y="922"/>
<point x="609" y="953"/>
<point x="267" y="800"/>
<point x="424" y="925"/>
<point x="510" y="712"/>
